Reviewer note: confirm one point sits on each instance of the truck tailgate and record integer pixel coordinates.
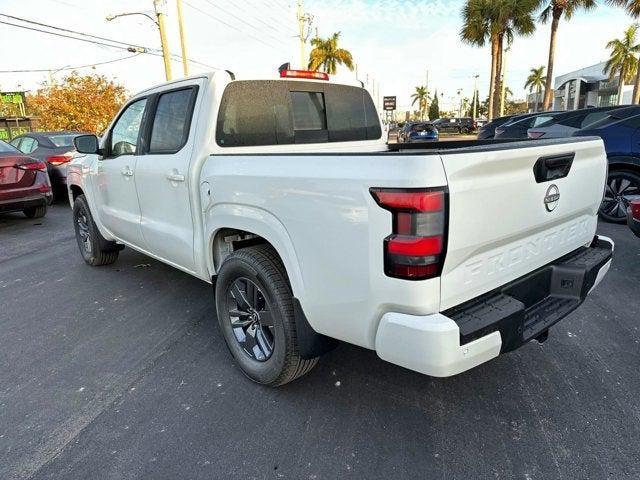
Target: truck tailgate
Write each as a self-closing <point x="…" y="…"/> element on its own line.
<point x="511" y="211"/>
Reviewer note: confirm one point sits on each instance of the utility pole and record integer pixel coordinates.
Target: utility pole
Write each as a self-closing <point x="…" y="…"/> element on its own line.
<point x="503" y="93"/>
<point x="301" y="22"/>
<point x="426" y="100"/>
<point x="183" y="40"/>
<point x="158" y="6"/>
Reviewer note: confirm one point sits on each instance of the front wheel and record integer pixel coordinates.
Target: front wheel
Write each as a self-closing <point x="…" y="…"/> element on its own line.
<point x="621" y="188"/>
<point x="95" y="250"/>
<point x="254" y="305"/>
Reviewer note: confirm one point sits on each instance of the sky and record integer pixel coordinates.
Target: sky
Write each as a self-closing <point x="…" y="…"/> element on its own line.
<point x="394" y="42"/>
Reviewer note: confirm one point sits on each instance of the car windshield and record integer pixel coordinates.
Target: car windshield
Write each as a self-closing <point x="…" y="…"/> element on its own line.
<point x="6" y="148"/>
<point x="64" y="140"/>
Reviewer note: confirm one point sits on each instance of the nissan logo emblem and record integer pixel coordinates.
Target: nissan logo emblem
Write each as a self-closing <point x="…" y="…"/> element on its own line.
<point x="552" y="198"/>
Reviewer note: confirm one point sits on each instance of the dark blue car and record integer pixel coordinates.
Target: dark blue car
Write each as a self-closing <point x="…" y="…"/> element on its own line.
<point x="422" y="132"/>
<point x="620" y="131"/>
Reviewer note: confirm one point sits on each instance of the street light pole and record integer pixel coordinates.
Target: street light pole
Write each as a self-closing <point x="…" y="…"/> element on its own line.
<point x="158" y="7"/>
<point x="475" y="96"/>
<point x="503" y="93"/>
<point x="183" y="41"/>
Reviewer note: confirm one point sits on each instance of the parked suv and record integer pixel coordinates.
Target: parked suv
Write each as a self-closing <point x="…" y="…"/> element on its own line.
<point x="463" y="125"/>
<point x="621" y="135"/>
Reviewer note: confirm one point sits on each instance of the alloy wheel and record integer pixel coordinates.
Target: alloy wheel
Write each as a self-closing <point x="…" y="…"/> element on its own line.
<point x="83" y="231"/>
<point x="618" y="195"/>
<point x="251" y="319"/>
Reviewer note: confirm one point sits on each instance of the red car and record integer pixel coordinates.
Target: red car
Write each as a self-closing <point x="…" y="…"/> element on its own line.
<point x="633" y="216"/>
<point x="24" y="183"/>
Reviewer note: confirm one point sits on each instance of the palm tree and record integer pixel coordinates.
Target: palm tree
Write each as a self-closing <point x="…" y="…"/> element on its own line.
<point x="633" y="7"/>
<point x="555" y="10"/>
<point x="421" y="97"/>
<point x="623" y="61"/>
<point x="494" y="21"/>
<point x="536" y="81"/>
<point x="327" y="55"/>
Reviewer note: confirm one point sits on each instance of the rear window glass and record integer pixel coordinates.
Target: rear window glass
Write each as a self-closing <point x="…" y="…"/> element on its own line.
<point x="424" y="127"/>
<point x="309" y="112"/>
<point x="6" y="148"/>
<point x="62" y="140"/>
<point x="275" y="112"/>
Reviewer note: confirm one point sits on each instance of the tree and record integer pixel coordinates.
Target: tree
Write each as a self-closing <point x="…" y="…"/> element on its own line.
<point x="85" y="103"/>
<point x="328" y="56"/>
<point x="420" y="96"/>
<point x="536" y="81"/>
<point x="555" y="10"/>
<point x="633" y="7"/>
<point x="434" y="108"/>
<point x="494" y="21"/>
<point x="623" y="61"/>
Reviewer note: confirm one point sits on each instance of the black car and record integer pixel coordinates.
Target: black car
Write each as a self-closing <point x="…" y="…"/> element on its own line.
<point x="55" y="149"/>
<point x="488" y="130"/>
<point x="463" y="125"/>
<point x="519" y="126"/>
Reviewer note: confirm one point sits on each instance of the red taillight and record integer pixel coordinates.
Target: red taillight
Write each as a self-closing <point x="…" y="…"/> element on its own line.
<point x="304" y="74"/>
<point x="56" y="160"/>
<point x="415" y="250"/>
<point x="635" y="209"/>
<point x="33" y="166"/>
<point x="535" y="135"/>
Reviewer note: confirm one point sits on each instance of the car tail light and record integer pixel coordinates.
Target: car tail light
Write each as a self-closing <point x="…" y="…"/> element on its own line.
<point x="635" y="209"/>
<point x="535" y="135"/>
<point x="304" y="74"/>
<point x="32" y="166"/>
<point x="56" y="160"/>
<point x="416" y="248"/>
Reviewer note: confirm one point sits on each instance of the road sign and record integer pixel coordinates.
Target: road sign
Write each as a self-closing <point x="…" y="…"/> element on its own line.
<point x="389" y="103"/>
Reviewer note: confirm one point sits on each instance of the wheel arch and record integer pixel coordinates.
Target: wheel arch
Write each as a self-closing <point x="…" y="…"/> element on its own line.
<point x="624" y="162"/>
<point x="231" y="227"/>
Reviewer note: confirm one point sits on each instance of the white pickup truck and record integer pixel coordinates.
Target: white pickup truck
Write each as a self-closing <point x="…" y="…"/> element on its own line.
<point x="283" y="194"/>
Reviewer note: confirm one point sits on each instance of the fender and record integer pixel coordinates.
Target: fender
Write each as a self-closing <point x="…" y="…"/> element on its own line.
<point x="624" y="161"/>
<point x="259" y="222"/>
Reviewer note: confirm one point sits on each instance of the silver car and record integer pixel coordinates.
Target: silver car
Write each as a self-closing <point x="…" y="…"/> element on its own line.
<point x="567" y="123"/>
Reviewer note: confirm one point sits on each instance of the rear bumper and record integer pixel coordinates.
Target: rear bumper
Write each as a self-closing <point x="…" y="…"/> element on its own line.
<point x="465" y="336"/>
<point x="17" y="205"/>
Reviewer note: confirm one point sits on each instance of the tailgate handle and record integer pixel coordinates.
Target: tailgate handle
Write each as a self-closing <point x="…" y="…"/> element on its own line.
<point x="553" y="167"/>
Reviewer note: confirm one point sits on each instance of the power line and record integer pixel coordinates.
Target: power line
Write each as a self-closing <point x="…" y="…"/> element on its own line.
<point x="293" y="33"/>
<point x="37" y="70"/>
<point x="92" y="39"/>
<point x="261" y="40"/>
<point x="243" y="20"/>
<point x="33" y="22"/>
<point x="275" y="20"/>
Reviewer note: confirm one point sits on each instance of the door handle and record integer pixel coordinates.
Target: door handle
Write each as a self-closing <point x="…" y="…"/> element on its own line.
<point x="175" y="177"/>
<point x="126" y="171"/>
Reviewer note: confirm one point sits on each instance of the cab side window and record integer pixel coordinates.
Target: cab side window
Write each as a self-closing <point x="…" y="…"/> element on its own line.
<point x="172" y="121"/>
<point x="124" y="135"/>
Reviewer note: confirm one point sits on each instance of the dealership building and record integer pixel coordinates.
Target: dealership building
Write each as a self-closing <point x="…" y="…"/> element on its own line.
<point x="588" y="87"/>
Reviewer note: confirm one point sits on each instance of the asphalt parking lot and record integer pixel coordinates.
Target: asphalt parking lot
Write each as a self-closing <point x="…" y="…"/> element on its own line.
<point x="119" y="372"/>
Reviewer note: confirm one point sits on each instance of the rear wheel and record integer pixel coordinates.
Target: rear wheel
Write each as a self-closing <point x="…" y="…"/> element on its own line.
<point x="95" y="250"/>
<point x="622" y="187"/>
<point x="254" y="304"/>
<point x="465" y="131"/>
<point x="35" y="212"/>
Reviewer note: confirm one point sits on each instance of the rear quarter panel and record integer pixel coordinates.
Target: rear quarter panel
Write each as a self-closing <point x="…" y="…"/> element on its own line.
<point x="318" y="213"/>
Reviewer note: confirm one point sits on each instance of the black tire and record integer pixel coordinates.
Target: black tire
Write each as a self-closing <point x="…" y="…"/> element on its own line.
<point x="465" y="131"/>
<point x="274" y="358"/>
<point x="35" y="212"/>
<point x="95" y="250"/>
<point x="622" y="186"/>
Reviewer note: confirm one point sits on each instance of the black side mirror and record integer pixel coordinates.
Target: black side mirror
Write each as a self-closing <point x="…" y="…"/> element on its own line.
<point x="87" y="144"/>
